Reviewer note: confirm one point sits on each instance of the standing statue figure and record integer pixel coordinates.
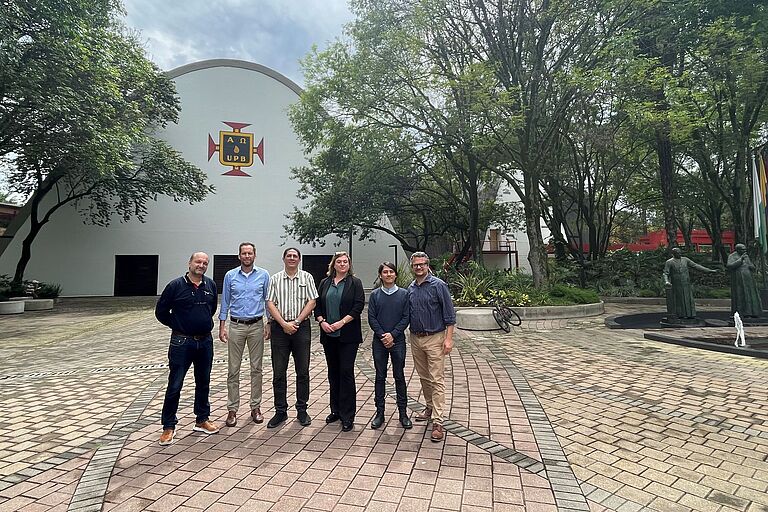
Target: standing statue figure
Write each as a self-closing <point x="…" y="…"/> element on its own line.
<point x="680" y="301"/>
<point x="744" y="295"/>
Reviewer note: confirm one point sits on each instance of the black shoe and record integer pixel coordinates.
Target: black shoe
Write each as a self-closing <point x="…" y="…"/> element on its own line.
<point x="332" y="417"/>
<point x="304" y="418"/>
<point x="277" y="419"/>
<point x="346" y="426"/>
<point x="405" y="421"/>
<point x="378" y="420"/>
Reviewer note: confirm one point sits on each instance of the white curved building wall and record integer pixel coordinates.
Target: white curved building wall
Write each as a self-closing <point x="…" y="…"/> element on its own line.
<point x="81" y="257"/>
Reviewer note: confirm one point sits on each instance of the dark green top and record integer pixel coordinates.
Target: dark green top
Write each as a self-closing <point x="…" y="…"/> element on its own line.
<point x="332" y="302"/>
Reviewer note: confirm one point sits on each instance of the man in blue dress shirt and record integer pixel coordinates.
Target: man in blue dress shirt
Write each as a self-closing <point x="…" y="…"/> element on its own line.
<point x="243" y="299"/>
<point x="431" y="337"/>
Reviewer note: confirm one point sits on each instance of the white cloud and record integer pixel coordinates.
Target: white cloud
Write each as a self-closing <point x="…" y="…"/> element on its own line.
<point x="275" y="33"/>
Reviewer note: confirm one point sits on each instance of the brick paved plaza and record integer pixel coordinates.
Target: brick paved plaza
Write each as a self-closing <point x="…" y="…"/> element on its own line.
<point x="564" y="415"/>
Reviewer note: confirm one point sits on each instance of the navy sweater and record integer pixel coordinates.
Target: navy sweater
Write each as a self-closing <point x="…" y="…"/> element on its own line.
<point x="187" y="309"/>
<point x="389" y="313"/>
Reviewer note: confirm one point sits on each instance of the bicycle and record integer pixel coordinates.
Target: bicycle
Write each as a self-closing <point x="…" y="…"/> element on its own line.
<point x="506" y="317"/>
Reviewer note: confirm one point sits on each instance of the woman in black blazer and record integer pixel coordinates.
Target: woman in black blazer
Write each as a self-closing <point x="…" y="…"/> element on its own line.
<point x="339" y="306"/>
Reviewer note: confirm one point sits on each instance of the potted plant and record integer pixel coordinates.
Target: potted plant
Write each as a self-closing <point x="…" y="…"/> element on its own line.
<point x="9" y="307"/>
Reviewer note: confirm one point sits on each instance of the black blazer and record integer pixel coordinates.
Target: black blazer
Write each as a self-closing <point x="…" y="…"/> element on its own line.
<point x="352" y="304"/>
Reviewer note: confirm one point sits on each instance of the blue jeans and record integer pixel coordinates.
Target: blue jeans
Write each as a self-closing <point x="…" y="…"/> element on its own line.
<point x="183" y="352"/>
<point x="381" y="356"/>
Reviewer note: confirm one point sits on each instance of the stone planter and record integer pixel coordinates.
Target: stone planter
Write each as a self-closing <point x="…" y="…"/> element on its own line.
<point x="11" y="307"/>
<point x="38" y="304"/>
<point x="481" y="318"/>
<point x="31" y="304"/>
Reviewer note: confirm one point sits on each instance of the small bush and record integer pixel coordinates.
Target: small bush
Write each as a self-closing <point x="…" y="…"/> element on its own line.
<point x="5" y="293"/>
<point x="18" y="289"/>
<point x="47" y="291"/>
<point x="574" y="295"/>
<point x="712" y="293"/>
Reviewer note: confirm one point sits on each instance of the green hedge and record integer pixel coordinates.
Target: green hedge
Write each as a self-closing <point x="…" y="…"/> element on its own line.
<point x="624" y="273"/>
<point x="475" y="285"/>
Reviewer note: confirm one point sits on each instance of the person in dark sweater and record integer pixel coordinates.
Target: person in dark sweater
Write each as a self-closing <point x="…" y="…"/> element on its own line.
<point x="187" y="305"/>
<point x="388" y="316"/>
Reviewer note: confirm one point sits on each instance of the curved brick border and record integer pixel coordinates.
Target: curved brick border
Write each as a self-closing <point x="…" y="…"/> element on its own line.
<point x="92" y="486"/>
<point x="554" y="465"/>
<point x="565" y="485"/>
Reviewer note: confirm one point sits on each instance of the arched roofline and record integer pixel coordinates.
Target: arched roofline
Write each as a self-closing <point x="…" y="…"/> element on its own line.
<point x="235" y="63"/>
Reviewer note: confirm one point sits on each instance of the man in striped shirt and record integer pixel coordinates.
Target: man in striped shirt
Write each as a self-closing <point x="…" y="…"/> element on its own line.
<point x="290" y="301"/>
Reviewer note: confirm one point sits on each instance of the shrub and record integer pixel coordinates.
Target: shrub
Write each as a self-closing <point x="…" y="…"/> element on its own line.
<point x="47" y="291"/>
<point x="712" y="293"/>
<point x="5" y="293"/>
<point x="574" y="295"/>
<point x="18" y="289"/>
<point x="474" y="285"/>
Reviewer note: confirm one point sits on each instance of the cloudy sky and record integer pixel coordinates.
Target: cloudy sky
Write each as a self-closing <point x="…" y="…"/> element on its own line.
<point x="274" y="33"/>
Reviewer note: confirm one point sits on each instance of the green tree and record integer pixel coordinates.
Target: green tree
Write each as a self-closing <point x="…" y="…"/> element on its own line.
<point x="78" y="102"/>
<point x="545" y="54"/>
<point x="726" y="91"/>
<point x="402" y="106"/>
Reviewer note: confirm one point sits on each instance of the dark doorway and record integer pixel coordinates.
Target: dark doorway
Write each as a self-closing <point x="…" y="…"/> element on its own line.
<point x="223" y="263"/>
<point x="135" y="275"/>
<point x="317" y="265"/>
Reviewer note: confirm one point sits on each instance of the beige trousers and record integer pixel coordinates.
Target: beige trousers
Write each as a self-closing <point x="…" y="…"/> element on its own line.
<point x="241" y="335"/>
<point x="429" y="360"/>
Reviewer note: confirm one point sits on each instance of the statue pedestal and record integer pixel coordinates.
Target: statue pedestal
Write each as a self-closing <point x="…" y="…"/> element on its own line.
<point x="764" y="298"/>
<point x="673" y="321"/>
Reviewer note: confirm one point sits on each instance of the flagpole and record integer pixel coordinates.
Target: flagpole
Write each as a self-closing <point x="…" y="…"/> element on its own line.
<point x="758" y="155"/>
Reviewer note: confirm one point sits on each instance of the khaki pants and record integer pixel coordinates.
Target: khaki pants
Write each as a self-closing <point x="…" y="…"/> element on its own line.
<point x="241" y="335"/>
<point x="429" y="360"/>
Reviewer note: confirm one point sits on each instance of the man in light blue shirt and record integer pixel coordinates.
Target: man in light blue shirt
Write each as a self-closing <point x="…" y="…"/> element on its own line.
<point x="243" y="300"/>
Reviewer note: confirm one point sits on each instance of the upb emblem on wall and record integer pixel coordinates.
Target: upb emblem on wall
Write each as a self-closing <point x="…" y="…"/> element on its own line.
<point x="235" y="149"/>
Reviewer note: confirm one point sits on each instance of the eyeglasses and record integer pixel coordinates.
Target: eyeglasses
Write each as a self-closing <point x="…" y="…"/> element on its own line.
<point x="340" y="253"/>
<point x="418" y="265"/>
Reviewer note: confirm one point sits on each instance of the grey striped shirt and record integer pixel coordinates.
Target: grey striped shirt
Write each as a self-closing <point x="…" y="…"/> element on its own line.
<point x="290" y="295"/>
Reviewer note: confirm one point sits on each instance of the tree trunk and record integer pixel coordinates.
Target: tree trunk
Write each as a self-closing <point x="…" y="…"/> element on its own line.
<point x="26" y="245"/>
<point x="667" y="179"/>
<point x="475" y="240"/>
<point x="740" y="209"/>
<point x="537" y="256"/>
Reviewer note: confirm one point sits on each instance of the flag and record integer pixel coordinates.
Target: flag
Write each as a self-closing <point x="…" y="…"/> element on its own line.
<point x="759" y="200"/>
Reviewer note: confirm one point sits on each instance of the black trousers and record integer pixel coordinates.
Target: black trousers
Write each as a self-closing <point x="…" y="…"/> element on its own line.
<point x="283" y="345"/>
<point x="341" y="378"/>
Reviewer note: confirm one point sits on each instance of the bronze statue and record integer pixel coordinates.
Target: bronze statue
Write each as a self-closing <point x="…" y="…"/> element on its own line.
<point x="744" y="295"/>
<point x="677" y="280"/>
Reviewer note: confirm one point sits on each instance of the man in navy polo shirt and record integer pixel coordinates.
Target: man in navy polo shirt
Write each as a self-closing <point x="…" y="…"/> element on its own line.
<point x="187" y="306"/>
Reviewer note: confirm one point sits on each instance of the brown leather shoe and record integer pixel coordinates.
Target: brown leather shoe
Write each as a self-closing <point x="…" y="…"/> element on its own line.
<point x="166" y="437"/>
<point x="206" y="427"/>
<point x="231" y="419"/>
<point x="438" y="433"/>
<point x="257" y="416"/>
<point x="424" y="415"/>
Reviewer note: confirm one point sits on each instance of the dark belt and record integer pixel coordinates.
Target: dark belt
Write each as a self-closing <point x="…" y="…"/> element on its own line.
<point x="246" y="321"/>
<point x="425" y="334"/>
<point x="192" y="336"/>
